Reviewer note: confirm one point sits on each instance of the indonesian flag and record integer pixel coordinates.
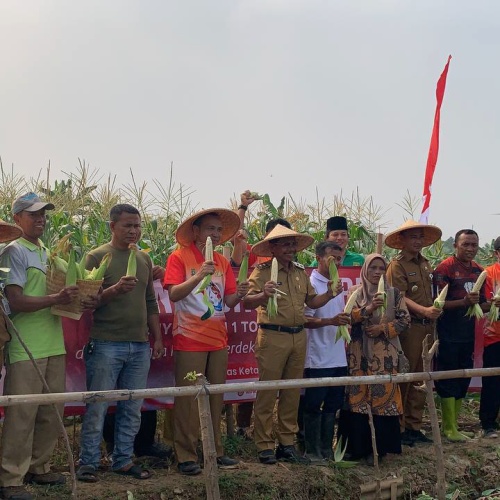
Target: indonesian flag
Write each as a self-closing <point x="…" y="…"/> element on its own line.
<point x="434" y="147"/>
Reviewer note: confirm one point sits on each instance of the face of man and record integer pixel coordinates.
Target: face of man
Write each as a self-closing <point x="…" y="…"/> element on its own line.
<point x="339" y="236"/>
<point x="210" y="225"/>
<point x="32" y="224"/>
<point x="284" y="249"/>
<point x="466" y="247"/>
<point x="412" y="240"/>
<point x="323" y="262"/>
<point x="126" y="230"/>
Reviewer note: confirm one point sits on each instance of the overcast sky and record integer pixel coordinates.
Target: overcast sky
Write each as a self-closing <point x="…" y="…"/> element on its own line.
<point x="280" y="96"/>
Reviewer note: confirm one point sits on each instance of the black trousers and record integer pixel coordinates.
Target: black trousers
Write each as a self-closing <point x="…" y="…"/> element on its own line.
<point x="454" y="356"/>
<point x="490" y="392"/>
<point x="324" y="399"/>
<point x="144" y="438"/>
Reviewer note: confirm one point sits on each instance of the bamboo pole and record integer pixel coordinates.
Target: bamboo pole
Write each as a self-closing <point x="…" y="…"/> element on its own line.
<point x="208" y="440"/>
<point x="427" y="356"/>
<point x="126" y="394"/>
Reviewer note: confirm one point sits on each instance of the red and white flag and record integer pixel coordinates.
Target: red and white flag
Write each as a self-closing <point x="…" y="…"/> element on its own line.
<point x="434" y="147"/>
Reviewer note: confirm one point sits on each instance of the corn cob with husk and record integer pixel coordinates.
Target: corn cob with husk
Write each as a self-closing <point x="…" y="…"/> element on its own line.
<point x="334" y="274"/>
<point x="71" y="273"/>
<point x="98" y="273"/>
<point x="342" y="330"/>
<point x="493" y="314"/>
<point x="475" y="309"/>
<point x="255" y="195"/>
<point x="381" y="291"/>
<point x="272" y="302"/>
<point x="209" y="256"/>
<point x="243" y="272"/>
<point x="55" y="259"/>
<point x="441" y="298"/>
<point x="132" y="261"/>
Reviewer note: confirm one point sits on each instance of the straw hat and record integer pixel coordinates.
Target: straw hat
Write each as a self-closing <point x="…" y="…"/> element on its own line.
<point x="431" y="234"/>
<point x="230" y="224"/>
<point x="263" y="248"/>
<point x="9" y="232"/>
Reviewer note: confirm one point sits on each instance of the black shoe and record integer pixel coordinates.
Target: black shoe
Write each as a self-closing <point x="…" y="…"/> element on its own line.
<point x="225" y="462"/>
<point x="419" y="437"/>
<point x="189" y="468"/>
<point x="156" y="450"/>
<point x="407" y="438"/>
<point x="267" y="457"/>
<point x="289" y="454"/>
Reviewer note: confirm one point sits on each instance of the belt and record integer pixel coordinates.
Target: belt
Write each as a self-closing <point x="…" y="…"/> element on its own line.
<point x="422" y="321"/>
<point x="279" y="328"/>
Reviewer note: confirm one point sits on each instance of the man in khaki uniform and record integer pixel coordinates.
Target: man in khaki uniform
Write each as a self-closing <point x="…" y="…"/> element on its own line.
<point x="281" y="340"/>
<point x="411" y="273"/>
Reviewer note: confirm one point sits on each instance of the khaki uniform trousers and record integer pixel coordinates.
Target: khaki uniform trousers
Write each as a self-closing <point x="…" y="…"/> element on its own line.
<point x="30" y="432"/>
<point x="280" y="356"/>
<point x="186" y="417"/>
<point x="413" y="398"/>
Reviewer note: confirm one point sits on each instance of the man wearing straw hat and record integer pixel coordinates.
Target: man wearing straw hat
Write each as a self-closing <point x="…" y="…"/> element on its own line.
<point x="411" y="273"/>
<point x="281" y="340"/>
<point x="199" y="329"/>
<point x="30" y="432"/>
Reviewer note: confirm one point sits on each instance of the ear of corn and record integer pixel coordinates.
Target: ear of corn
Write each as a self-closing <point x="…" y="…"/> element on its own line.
<point x="494" y="313"/>
<point x="334" y="274"/>
<point x="98" y="274"/>
<point x="243" y="272"/>
<point x="272" y="302"/>
<point x="132" y="261"/>
<point x="342" y="330"/>
<point x="209" y="256"/>
<point x="381" y="291"/>
<point x="81" y="267"/>
<point x="441" y="298"/>
<point x="255" y="195"/>
<point x="71" y="273"/>
<point x="475" y="310"/>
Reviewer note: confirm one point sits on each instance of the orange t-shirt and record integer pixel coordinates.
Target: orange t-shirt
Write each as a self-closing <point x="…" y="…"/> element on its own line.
<point x="190" y="332"/>
<point x="492" y="330"/>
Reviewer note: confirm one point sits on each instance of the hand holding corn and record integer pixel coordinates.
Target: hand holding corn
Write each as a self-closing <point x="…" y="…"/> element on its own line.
<point x="126" y="284"/>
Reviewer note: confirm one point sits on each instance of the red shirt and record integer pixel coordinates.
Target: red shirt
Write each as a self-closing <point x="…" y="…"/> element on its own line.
<point x="492" y="330"/>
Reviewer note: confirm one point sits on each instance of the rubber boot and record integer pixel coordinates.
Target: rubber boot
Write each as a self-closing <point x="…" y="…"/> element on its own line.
<point x="449" y="421"/>
<point x="327" y="433"/>
<point x="312" y="425"/>
<point x="458" y="409"/>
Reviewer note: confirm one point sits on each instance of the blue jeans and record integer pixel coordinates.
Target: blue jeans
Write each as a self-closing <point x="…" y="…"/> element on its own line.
<point x="113" y="365"/>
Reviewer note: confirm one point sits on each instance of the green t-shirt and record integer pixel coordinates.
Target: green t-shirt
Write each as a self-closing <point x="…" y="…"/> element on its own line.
<point x="124" y="318"/>
<point x="353" y="259"/>
<point x="40" y="330"/>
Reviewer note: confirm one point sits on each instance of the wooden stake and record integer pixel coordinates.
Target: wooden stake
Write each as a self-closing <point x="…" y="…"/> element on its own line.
<point x="380" y="242"/>
<point x="427" y="356"/>
<point x="208" y="440"/>
<point x="378" y="492"/>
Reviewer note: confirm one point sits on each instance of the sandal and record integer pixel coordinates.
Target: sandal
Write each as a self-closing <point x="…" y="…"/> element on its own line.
<point x="135" y="471"/>
<point x="87" y="474"/>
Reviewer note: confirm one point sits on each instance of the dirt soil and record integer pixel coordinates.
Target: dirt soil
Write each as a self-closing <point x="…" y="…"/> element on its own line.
<point x="472" y="468"/>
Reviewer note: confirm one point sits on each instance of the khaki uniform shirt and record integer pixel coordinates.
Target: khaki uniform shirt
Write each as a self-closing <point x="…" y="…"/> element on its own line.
<point x="413" y="276"/>
<point x="294" y="282"/>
